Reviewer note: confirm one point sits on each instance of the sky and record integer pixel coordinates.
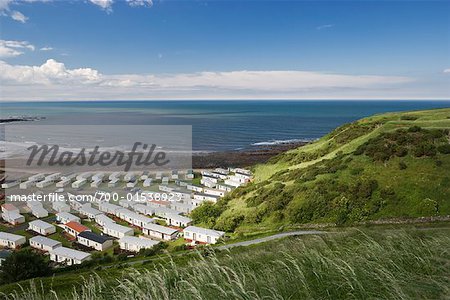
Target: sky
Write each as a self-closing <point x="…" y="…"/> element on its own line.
<point x="143" y="49"/>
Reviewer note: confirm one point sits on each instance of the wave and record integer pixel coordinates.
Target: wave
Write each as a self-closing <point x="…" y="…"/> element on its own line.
<point x="280" y="142"/>
<point x="201" y="152"/>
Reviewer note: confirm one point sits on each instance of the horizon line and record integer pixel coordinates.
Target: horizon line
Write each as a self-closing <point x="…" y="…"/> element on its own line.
<point x="228" y="99"/>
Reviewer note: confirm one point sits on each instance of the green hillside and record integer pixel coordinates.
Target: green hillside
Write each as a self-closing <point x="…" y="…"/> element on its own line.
<point x="385" y="166"/>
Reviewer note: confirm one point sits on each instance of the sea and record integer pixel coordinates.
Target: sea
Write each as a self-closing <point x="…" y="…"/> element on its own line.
<point x="219" y="125"/>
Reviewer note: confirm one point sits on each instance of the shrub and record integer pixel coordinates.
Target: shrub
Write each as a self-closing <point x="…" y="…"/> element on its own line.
<point x="425" y="150"/>
<point x="23" y="264"/>
<point x="436" y="133"/>
<point x="122" y="257"/>
<point x="414" y="129"/>
<point x="445" y="181"/>
<point x="278" y="216"/>
<point x="356" y="171"/>
<point x="419" y="142"/>
<point x="360" y="150"/>
<point x="207" y="213"/>
<point x="363" y="189"/>
<point x="428" y="207"/>
<point x="402" y="165"/>
<point x="181" y="247"/>
<point x="408" y="118"/>
<point x="229" y="223"/>
<point x="255" y="216"/>
<point x="108" y="259"/>
<point x="401" y="151"/>
<point x="274" y="195"/>
<point x="154" y="250"/>
<point x="315" y="206"/>
<point x="444" y="149"/>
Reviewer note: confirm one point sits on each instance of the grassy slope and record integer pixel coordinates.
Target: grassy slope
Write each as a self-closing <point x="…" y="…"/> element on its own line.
<point x="388" y="263"/>
<point x="418" y="189"/>
<point x="439" y="118"/>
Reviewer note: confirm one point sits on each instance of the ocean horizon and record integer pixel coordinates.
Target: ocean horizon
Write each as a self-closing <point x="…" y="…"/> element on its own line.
<point x="220" y="125"/>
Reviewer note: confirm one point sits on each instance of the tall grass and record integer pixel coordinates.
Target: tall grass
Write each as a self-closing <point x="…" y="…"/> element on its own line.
<point x="356" y="265"/>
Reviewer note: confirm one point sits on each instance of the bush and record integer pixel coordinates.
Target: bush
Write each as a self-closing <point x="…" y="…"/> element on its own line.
<point x="408" y="118"/>
<point x="23" y="264"/>
<point x="419" y="142"/>
<point x="356" y="171"/>
<point x="229" y="223"/>
<point x="154" y="250"/>
<point x="278" y="216"/>
<point x="402" y="165"/>
<point x="256" y="215"/>
<point x="401" y="151"/>
<point x="436" y="133"/>
<point x="444" y="149"/>
<point x="108" y="259"/>
<point x="275" y="196"/>
<point x="414" y="129"/>
<point x="363" y="189"/>
<point x="425" y="150"/>
<point x="360" y="150"/>
<point x="207" y="213"/>
<point x="122" y="257"/>
<point x="314" y="207"/>
<point x="100" y="258"/>
<point x="428" y="207"/>
<point x="445" y="181"/>
<point x="181" y="247"/>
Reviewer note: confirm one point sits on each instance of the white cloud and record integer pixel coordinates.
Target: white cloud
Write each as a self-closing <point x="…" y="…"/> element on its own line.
<point x="18" y="16"/>
<point x="136" y="3"/>
<point x="325" y="26"/>
<point x="5" y="9"/>
<point x="447" y="71"/>
<point x="54" y="80"/>
<point x="4" y="4"/>
<point x="6" y="52"/>
<point x="107" y="4"/>
<point x="104" y="4"/>
<point x="253" y="80"/>
<point x="14" y="48"/>
<point x="51" y="72"/>
<point x="46" y="48"/>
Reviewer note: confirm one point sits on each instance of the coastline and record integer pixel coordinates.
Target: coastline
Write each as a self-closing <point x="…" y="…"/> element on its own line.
<point x="14" y="119"/>
<point x="242" y="158"/>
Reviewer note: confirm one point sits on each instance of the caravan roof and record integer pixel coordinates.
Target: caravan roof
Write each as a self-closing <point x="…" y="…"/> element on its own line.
<point x="70" y="253"/>
<point x="45" y="241"/>
<point x="94" y="237"/>
<point x="159" y="228"/>
<point x="200" y="230"/>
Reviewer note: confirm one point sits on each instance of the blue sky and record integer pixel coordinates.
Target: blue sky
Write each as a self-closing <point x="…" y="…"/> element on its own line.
<point x="198" y="49"/>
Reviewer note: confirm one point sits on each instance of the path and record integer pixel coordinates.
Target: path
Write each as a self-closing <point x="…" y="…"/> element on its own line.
<point x="270" y="237"/>
<point x="244" y="243"/>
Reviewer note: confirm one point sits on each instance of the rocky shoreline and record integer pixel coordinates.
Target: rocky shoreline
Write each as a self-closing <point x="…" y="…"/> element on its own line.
<point x="20" y="119"/>
<point x="204" y="160"/>
<point x="241" y="158"/>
